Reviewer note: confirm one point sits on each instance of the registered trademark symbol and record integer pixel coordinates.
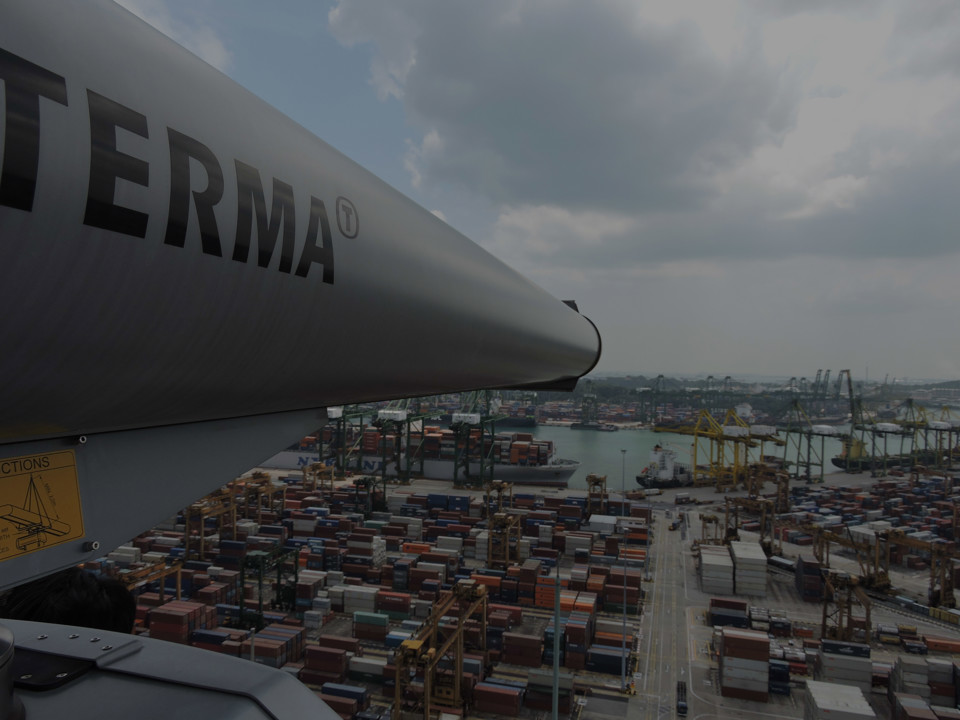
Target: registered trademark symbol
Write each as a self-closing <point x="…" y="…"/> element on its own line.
<point x="347" y="219"/>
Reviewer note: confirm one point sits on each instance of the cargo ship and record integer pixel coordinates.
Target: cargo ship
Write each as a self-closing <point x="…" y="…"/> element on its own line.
<point x="515" y="456"/>
<point x="597" y="426"/>
<point x="855" y="456"/>
<point x="664" y="471"/>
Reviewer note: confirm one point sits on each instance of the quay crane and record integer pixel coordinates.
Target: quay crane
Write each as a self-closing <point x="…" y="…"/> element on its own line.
<point x="728" y="444"/>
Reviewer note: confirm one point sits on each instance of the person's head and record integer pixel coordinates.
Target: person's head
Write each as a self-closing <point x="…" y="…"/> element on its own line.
<point x="72" y="597"/>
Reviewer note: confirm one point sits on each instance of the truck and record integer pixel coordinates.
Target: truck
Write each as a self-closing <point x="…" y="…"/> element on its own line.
<point x="681" y="697"/>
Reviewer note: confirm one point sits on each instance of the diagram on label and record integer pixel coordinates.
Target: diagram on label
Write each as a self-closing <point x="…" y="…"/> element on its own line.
<point x="33" y="521"/>
<point x="39" y="503"/>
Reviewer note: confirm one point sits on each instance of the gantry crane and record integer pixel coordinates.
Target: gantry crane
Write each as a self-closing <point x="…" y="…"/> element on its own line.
<point x="406" y="420"/>
<point x="940" y="593"/>
<point x="950" y="428"/>
<point x="710" y="530"/>
<point x="133" y="579"/>
<point x="762" y="507"/>
<point x="596" y="494"/>
<point x="424" y="651"/>
<point x="808" y="460"/>
<point x="498" y="497"/>
<point x="220" y="505"/>
<point x="842" y="595"/>
<point x="503" y="525"/>
<point x="874" y="573"/>
<point x="726" y="449"/>
<point x="588" y="408"/>
<point x="503" y="539"/>
<point x="479" y="409"/>
<point x="318" y="477"/>
<point x="343" y="448"/>
<point x="259" y="493"/>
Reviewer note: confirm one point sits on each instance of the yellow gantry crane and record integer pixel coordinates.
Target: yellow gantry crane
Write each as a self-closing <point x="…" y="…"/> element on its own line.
<point x="428" y="646"/>
<point x="221" y="506"/>
<point x="503" y="525"/>
<point x="318" y="477"/>
<point x="726" y="446"/>
<point x="157" y="572"/>
<point x="842" y="596"/>
<point x="763" y="508"/>
<point x="874" y="573"/>
<point x="941" y="563"/>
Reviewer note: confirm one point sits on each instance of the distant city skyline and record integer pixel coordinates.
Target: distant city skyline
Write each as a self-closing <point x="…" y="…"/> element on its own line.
<point x="751" y="377"/>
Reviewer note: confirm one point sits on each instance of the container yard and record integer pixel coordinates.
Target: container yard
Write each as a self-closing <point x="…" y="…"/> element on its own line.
<point x="441" y="602"/>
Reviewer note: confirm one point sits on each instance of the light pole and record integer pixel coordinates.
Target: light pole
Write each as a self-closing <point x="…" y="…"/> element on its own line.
<point x="623" y="512"/>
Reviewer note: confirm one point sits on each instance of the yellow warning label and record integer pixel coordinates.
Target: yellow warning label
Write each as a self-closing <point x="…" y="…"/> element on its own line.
<point x="39" y="503"/>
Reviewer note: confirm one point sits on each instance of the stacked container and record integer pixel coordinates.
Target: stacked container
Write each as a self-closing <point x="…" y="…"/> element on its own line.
<point x="574" y="541"/>
<point x="744" y="664"/>
<point x="613" y="590"/>
<point x="175" y="620"/>
<point x="809" y="579"/>
<point x="497" y="699"/>
<point x="943" y="691"/>
<point x="367" y="669"/>
<point x="576" y="635"/>
<point x="911" y="707"/>
<point x="521" y="649"/>
<point x="728" y="613"/>
<point x="605" y="659"/>
<point x="359" y="598"/>
<point x="395" y="605"/>
<point x="367" y="550"/>
<point x="323" y="664"/>
<point x="352" y="692"/>
<point x="910" y="675"/>
<point x="827" y="701"/>
<point x="845" y="662"/>
<point x="750" y="569"/>
<point x="539" y="695"/>
<point x="716" y="570"/>
<point x="370" y="626"/>
<point x="779" y="677"/>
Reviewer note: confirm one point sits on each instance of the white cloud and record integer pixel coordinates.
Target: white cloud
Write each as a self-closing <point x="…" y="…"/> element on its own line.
<point x="394" y="32"/>
<point x="731" y="163"/>
<point x="194" y="34"/>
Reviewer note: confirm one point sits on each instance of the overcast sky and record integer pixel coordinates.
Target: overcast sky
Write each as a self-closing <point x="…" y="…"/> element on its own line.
<point x="724" y="186"/>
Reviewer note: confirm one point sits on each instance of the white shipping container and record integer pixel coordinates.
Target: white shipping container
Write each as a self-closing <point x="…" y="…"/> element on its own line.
<point x="730" y="676"/>
<point x="729" y="661"/>
<point x="830" y="701"/>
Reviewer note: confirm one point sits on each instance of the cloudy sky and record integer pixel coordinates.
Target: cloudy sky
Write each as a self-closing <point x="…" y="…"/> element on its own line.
<point x="724" y="186"/>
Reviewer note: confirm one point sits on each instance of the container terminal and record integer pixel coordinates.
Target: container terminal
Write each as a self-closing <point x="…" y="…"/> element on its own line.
<point x="436" y="603"/>
<point x="419" y="602"/>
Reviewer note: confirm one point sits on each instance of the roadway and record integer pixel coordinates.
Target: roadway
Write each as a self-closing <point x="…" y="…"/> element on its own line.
<point x="675" y="641"/>
<point x="664" y="651"/>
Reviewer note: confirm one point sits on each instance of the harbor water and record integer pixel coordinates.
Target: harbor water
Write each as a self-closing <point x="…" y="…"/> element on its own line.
<point x="600" y="452"/>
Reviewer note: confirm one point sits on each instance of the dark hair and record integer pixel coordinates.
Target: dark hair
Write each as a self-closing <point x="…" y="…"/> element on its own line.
<point x="72" y="597"/>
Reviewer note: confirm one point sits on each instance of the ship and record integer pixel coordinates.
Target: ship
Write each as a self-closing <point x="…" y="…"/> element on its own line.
<point x="597" y="426"/>
<point x="514" y="457"/>
<point x="856" y="457"/>
<point x="664" y="471"/>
